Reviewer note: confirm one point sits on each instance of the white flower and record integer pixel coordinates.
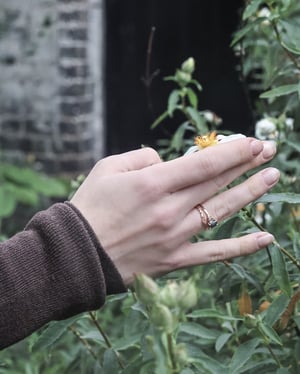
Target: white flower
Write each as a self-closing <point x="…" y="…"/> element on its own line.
<point x="211" y="117"/>
<point x="192" y="149"/>
<point x="289" y="122"/>
<point x="265" y="129"/>
<point x="220" y="139"/>
<point x="229" y="138"/>
<point x="264" y="12"/>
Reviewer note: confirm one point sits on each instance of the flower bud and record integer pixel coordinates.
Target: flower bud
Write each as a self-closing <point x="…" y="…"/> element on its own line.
<point x="182" y="77"/>
<point x="188" y="66"/>
<point x="162" y="317"/>
<point x="146" y="289"/>
<point x="264" y="306"/>
<point x="250" y="321"/>
<point x="245" y="302"/>
<point x="181" y="354"/>
<point x="187" y="295"/>
<point x="169" y="294"/>
<point x="265" y="129"/>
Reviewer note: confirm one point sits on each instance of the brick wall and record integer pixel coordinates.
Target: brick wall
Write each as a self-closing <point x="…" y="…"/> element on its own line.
<point x="51" y="104"/>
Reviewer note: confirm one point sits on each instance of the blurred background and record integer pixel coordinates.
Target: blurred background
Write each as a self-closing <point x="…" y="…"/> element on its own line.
<point x="75" y="85"/>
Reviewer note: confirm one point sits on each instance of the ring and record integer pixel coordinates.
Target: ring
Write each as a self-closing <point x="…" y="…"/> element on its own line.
<point x="207" y="220"/>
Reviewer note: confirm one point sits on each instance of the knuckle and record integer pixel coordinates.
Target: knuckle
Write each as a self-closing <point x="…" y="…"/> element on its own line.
<point x="224" y="210"/>
<point x="174" y="261"/>
<point x="151" y="154"/>
<point x="254" y="189"/>
<point x="163" y="218"/>
<point x="149" y="187"/>
<point x="105" y="163"/>
<point x="220" y="181"/>
<point x="208" y="166"/>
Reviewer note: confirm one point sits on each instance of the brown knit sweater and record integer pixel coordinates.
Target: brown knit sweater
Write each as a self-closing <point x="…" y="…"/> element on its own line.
<point x="54" y="269"/>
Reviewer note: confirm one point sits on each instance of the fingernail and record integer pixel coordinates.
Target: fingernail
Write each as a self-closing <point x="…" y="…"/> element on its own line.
<point x="256" y="147"/>
<point x="264" y="239"/>
<point x="269" y="149"/>
<point x="271" y="176"/>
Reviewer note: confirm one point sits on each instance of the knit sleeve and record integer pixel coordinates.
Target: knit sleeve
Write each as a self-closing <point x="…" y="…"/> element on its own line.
<point x="54" y="269"/>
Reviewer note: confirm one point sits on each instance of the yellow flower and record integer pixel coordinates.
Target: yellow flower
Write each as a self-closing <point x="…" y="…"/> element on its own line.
<point x="206" y="140"/>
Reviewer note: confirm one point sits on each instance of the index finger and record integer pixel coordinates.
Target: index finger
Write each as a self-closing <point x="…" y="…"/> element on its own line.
<point x="208" y="163"/>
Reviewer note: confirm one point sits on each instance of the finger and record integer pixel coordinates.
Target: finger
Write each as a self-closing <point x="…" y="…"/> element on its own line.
<point x="223" y="205"/>
<point x="189" y="197"/>
<point x="211" y="162"/>
<point x="220" y="250"/>
<point x="229" y="202"/>
<point x="128" y="161"/>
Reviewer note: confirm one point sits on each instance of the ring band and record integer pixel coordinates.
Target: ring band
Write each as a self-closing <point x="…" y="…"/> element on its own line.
<point x="207" y="220"/>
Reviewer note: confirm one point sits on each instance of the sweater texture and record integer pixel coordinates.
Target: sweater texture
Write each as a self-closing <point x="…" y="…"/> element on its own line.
<point x="54" y="269"/>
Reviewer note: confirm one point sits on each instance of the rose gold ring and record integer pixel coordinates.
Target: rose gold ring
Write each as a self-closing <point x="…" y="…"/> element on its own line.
<point x="207" y="220"/>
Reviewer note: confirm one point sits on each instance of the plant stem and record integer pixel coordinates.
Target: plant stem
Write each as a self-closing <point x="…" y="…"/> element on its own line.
<point x="276" y="359"/>
<point x="287" y="254"/>
<point x="287" y="52"/>
<point x="106" y="338"/>
<point x="275" y="242"/>
<point x="83" y="341"/>
<point x="171" y="354"/>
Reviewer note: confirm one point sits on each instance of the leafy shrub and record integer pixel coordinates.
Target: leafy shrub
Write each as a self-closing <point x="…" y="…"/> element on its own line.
<point x="22" y="186"/>
<point x="239" y="316"/>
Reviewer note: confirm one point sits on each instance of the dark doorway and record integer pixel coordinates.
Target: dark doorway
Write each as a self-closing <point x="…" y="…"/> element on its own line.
<point x="201" y="29"/>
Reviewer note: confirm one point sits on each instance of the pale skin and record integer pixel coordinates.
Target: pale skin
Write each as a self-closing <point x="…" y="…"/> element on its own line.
<point x="143" y="210"/>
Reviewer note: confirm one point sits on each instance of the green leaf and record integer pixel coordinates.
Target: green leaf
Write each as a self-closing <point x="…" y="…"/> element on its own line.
<point x="51" y="333"/>
<point x="22" y="194"/>
<point x="222" y="340"/>
<point x="172" y="101"/>
<point x="269" y="333"/>
<point x="280" y="197"/>
<point x="292" y="144"/>
<point x="49" y="186"/>
<point x="192" y="98"/>
<point x="187" y="371"/>
<point x="110" y="363"/>
<point x="242" y="354"/>
<point x="197" y="119"/>
<point x="38" y="182"/>
<point x="126" y="341"/>
<point x="206" y="364"/>
<point x="244" y="274"/>
<point x="196" y="84"/>
<point x="19" y="175"/>
<point x="297" y="321"/>
<point x="276" y="309"/>
<point x="95" y="336"/>
<point x="291" y="47"/>
<point x="280" y="271"/>
<point x="177" y="139"/>
<point x="283" y="371"/>
<point x="195" y="329"/>
<point x="161" y="357"/>
<point x="280" y="91"/>
<point x="291" y="36"/>
<point x="226" y="229"/>
<point x="244" y="31"/>
<point x="211" y="313"/>
<point x="161" y="118"/>
<point x="8" y="203"/>
<point x="251" y="8"/>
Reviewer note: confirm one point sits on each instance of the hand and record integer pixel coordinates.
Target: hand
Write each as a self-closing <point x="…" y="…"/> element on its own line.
<point x="143" y="210"/>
